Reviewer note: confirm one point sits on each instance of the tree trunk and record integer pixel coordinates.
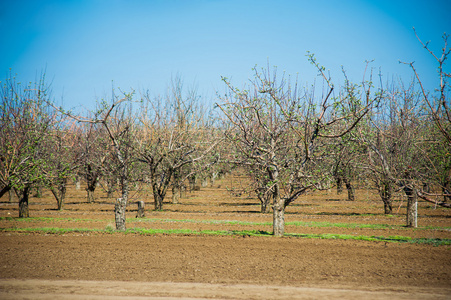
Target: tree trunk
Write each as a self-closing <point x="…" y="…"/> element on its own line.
<point x="62" y="190"/>
<point x="91" y="197"/>
<point x="412" y="206"/>
<point x="385" y="192"/>
<point x="111" y="187"/>
<point x="350" y="188"/>
<point x="60" y="203"/>
<point x="23" y="203"/>
<point x="213" y="177"/>
<point x="446" y="192"/>
<point x="140" y="213"/>
<point x="121" y="203"/>
<point x="160" y="185"/>
<point x="183" y="191"/>
<point x="119" y="213"/>
<point x="11" y="195"/>
<point x="91" y="179"/>
<point x="388" y="209"/>
<point x="447" y="186"/>
<point x="77" y="183"/>
<point x="264" y="201"/>
<point x="175" y="193"/>
<point x="278" y="203"/>
<point x="59" y="199"/>
<point x="157" y="196"/>
<point x="176" y="186"/>
<point x="279" y="219"/>
<point x="204" y="182"/>
<point x="339" y="181"/>
<point x="60" y="193"/>
<point x="158" y="201"/>
<point x="264" y="207"/>
<point x="264" y="204"/>
<point x="192" y="182"/>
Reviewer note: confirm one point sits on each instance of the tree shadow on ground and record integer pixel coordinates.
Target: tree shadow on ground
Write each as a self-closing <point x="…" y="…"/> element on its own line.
<point x="238" y="204"/>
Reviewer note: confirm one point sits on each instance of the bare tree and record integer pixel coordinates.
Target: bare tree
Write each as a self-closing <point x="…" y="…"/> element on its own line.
<point x="437" y="105"/>
<point x="93" y="147"/>
<point x="119" y="127"/>
<point x="172" y="139"/>
<point x="345" y="160"/>
<point x="392" y="136"/>
<point x="281" y="131"/>
<point x="61" y="158"/>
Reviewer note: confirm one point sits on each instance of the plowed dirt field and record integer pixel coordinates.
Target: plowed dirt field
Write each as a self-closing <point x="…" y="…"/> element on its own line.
<point x="201" y="249"/>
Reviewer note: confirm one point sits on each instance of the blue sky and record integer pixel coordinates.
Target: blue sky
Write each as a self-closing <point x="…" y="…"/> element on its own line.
<point x="84" y="46"/>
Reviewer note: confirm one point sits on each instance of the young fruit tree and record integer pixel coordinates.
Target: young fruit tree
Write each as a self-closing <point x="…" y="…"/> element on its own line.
<point x="392" y="136"/>
<point x="119" y="125"/>
<point x="25" y="121"/>
<point x="93" y="147"/>
<point x="62" y="158"/>
<point x="437" y="148"/>
<point x="285" y="134"/>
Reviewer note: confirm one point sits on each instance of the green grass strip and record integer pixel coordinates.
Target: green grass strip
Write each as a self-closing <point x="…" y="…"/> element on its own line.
<point x="312" y="224"/>
<point x="52" y="230"/>
<point x="214" y="222"/>
<point x="243" y="233"/>
<point x="49" y="219"/>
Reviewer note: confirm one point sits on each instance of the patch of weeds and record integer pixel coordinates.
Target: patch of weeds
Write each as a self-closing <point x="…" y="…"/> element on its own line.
<point x="392" y="239"/>
<point x="110" y="228"/>
<point x="429" y="241"/>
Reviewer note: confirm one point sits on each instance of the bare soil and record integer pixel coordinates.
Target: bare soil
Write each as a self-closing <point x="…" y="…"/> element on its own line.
<point x="98" y="265"/>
